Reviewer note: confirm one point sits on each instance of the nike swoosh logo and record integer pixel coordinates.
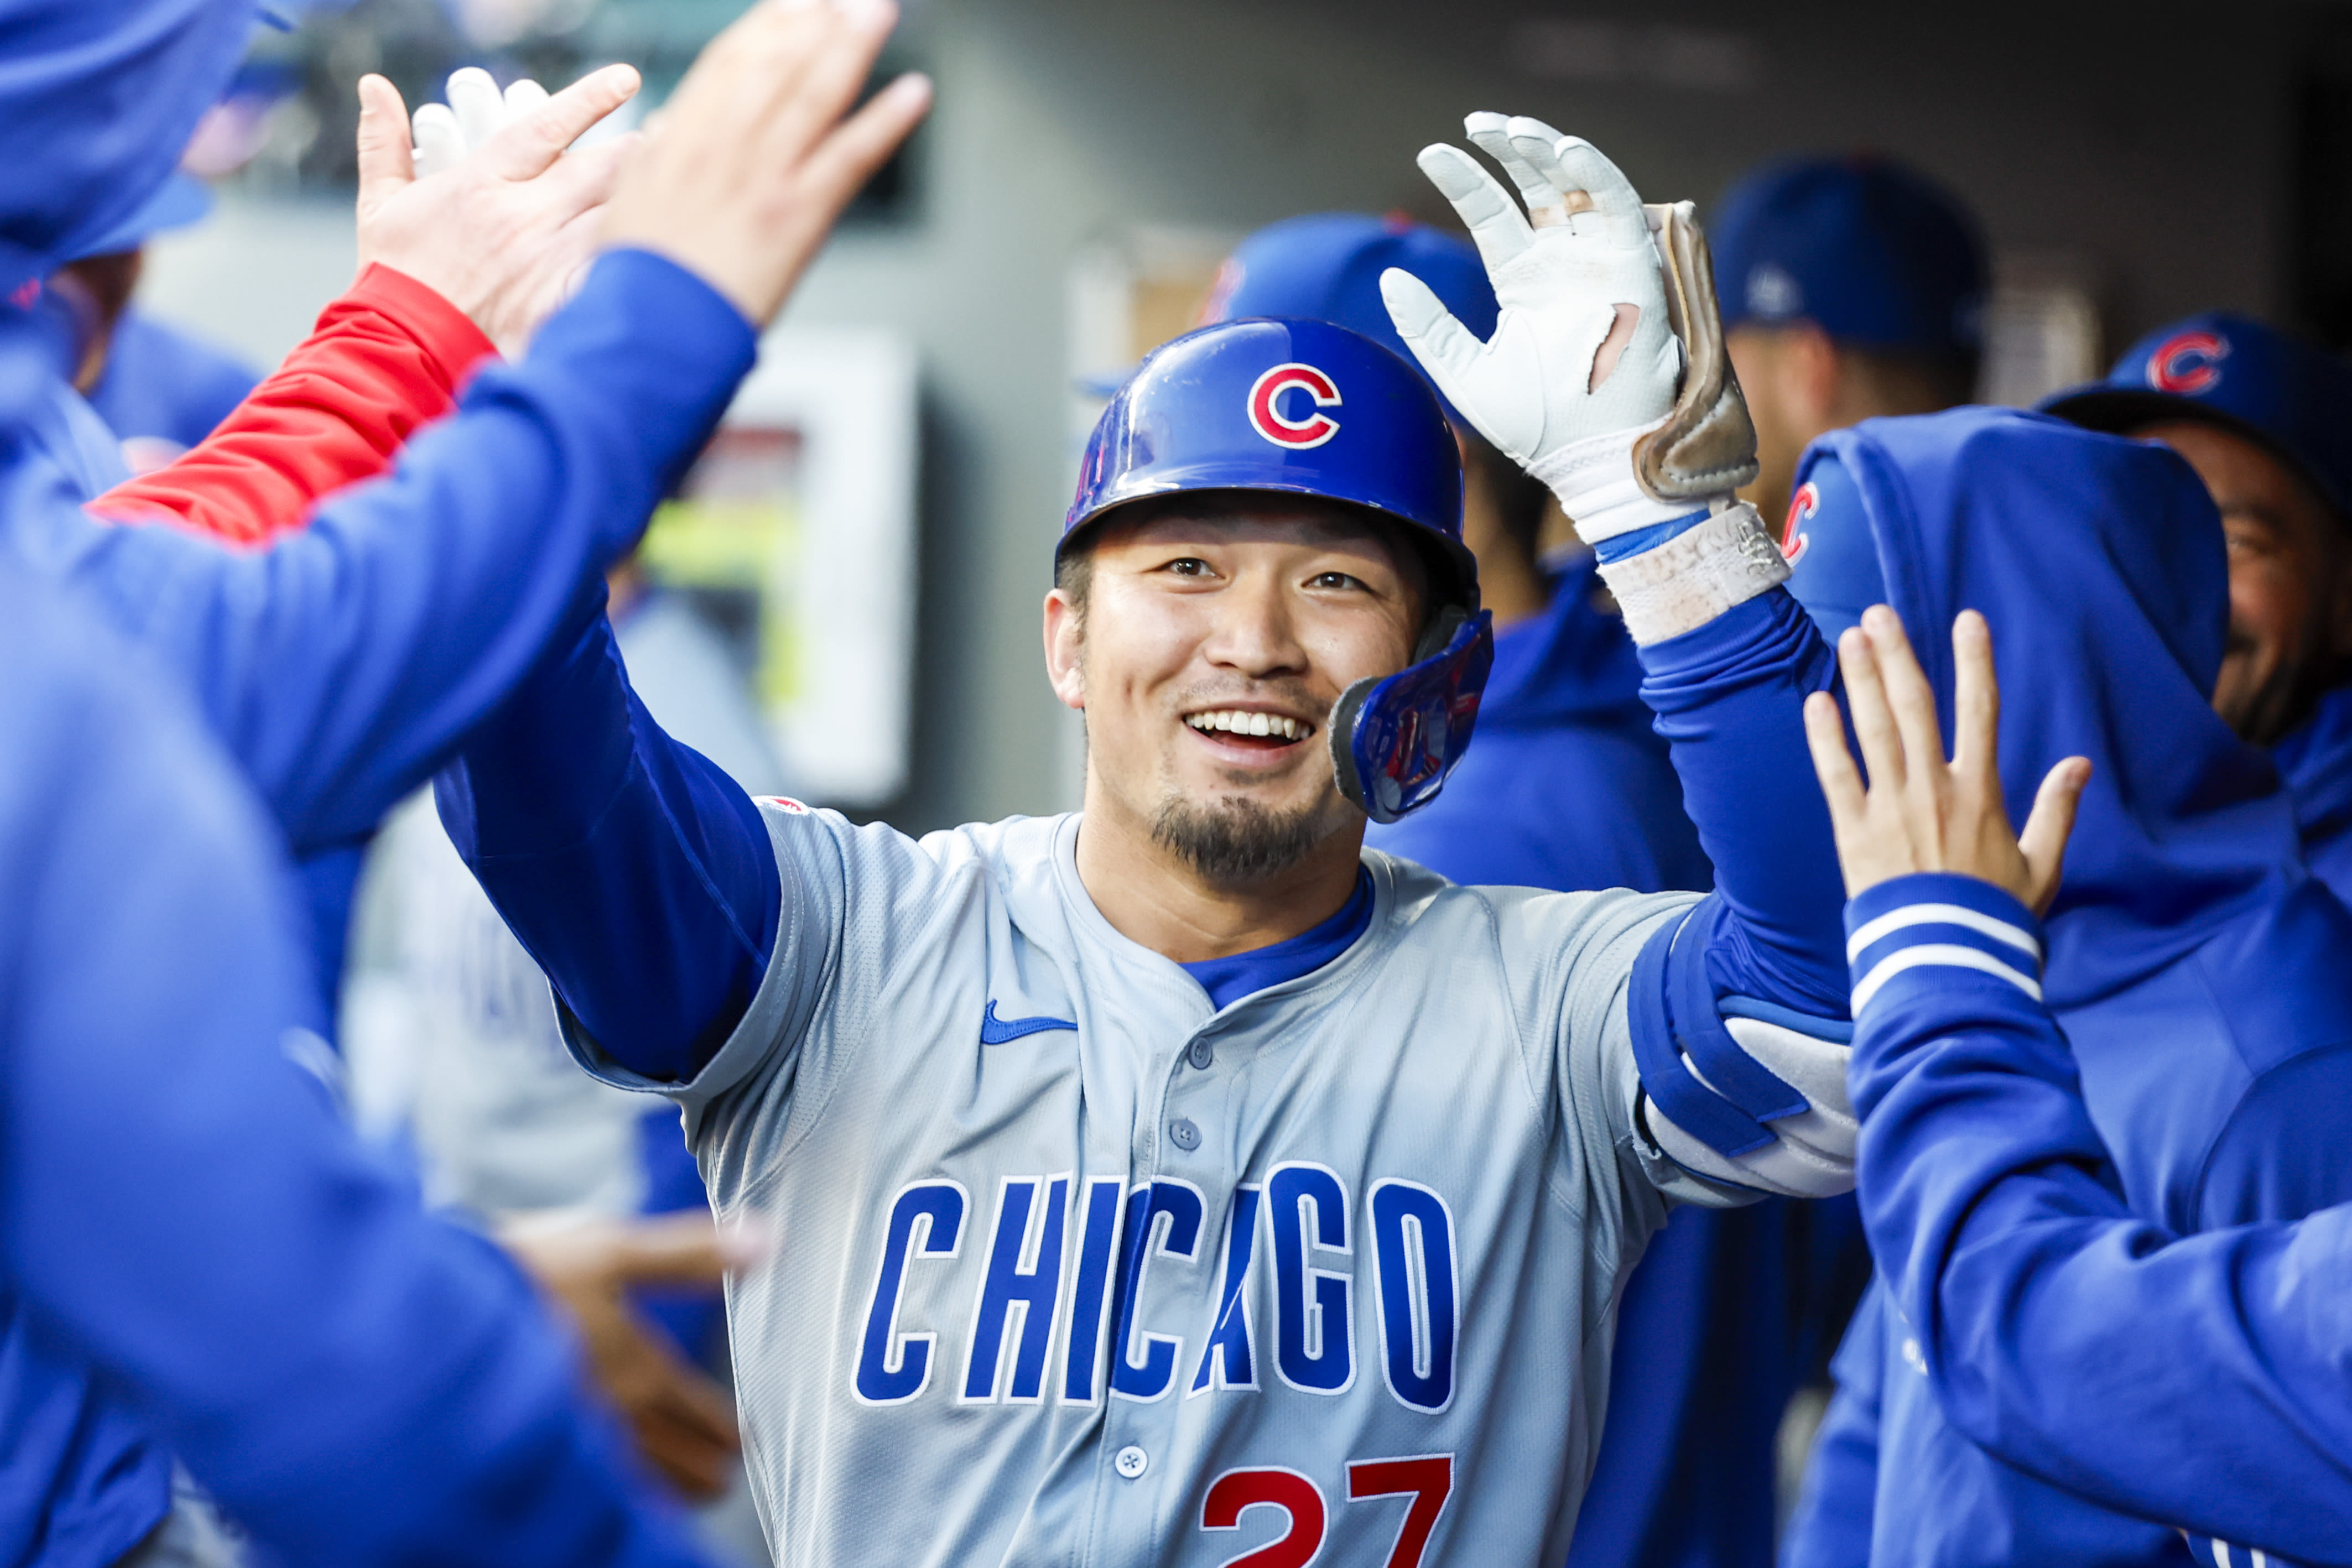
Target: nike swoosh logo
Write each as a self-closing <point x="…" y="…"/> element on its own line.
<point x="994" y="1030"/>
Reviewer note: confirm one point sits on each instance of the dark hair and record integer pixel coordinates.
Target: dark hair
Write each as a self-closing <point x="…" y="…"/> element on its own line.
<point x="1918" y="380"/>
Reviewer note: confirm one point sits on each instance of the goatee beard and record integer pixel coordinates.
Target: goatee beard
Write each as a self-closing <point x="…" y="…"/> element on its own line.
<point x="1238" y="842"/>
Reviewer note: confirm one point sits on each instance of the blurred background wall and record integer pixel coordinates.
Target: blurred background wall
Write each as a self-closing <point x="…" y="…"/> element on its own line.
<point x="2155" y="158"/>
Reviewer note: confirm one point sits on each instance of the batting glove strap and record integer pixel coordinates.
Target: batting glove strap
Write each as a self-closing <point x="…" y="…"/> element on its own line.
<point x="1594" y="481"/>
<point x="1695" y="575"/>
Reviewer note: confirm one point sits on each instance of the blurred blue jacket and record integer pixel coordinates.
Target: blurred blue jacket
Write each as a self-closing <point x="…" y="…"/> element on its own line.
<point x="337" y="669"/>
<point x="2195" y="967"/>
<point x="2316" y="763"/>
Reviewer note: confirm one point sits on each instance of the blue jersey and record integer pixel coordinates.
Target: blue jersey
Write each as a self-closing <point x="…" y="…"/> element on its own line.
<point x="362" y="1384"/>
<point x="2197" y="1382"/>
<point x="341" y="663"/>
<point x="2197" y="969"/>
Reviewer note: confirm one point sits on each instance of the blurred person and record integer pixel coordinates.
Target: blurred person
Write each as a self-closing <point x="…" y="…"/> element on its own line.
<point x="2221" y="1402"/>
<point x="2195" y="967"/>
<point x="1017" y="1093"/>
<point x="303" y="657"/>
<point x="157" y="389"/>
<point x="453" y="1046"/>
<point x="2266" y="421"/>
<point x="1852" y="287"/>
<point x="1569" y="786"/>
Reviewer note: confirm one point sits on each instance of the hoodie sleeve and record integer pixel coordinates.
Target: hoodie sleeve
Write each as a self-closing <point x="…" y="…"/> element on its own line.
<point x="365" y="1386"/>
<point x="345" y="662"/>
<point x="386" y="359"/>
<point x="2198" y="1381"/>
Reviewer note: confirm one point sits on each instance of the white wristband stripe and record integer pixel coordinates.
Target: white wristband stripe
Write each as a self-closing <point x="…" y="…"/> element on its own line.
<point x="1697" y="575"/>
<point x="1896" y="920"/>
<point x="1949" y="954"/>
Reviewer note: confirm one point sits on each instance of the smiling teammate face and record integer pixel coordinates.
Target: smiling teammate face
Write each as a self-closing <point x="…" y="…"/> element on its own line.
<point x="1215" y="637"/>
<point x="2290" y="579"/>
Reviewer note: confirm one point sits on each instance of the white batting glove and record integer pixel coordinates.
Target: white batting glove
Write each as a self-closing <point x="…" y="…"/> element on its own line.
<point x="447" y="134"/>
<point x="1560" y="272"/>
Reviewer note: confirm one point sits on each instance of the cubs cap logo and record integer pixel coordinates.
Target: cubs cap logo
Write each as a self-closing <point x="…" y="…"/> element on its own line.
<point x="1265" y="415"/>
<point x="1801" y="508"/>
<point x="2188" y="363"/>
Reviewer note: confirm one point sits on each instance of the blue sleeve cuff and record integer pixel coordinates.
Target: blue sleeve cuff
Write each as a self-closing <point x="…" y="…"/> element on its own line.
<point x="1618" y="548"/>
<point x="1941" y="925"/>
<point x="1690" y="1063"/>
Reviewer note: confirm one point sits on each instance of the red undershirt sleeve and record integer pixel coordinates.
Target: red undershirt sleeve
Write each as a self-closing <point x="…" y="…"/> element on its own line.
<point x="386" y="358"/>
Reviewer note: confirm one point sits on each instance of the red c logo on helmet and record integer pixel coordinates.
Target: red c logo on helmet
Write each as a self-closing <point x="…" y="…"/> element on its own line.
<point x="1802" y="506"/>
<point x="2188" y="363"/>
<point x="1265" y="415"/>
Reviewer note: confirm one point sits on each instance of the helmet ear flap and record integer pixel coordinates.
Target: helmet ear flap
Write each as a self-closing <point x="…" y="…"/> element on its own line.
<point x="1395" y="738"/>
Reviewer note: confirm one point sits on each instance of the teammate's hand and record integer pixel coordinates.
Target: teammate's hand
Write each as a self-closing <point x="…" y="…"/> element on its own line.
<point x="752" y="160"/>
<point x="1919" y="813"/>
<point x="1583" y="359"/>
<point x="502" y="227"/>
<point x="684" y="1423"/>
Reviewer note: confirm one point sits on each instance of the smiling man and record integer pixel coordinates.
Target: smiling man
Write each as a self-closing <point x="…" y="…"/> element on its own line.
<point x="1163" y="1181"/>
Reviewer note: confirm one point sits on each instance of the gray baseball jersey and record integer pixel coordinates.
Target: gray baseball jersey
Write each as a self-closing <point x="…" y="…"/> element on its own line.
<point x="1075" y="1268"/>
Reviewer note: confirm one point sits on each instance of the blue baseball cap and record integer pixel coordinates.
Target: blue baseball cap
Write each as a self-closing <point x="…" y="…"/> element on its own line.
<point x="2290" y="397"/>
<point x="1869" y="251"/>
<point x="1327" y="267"/>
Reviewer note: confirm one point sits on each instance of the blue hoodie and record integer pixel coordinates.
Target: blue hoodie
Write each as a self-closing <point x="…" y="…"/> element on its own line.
<point x="339" y="666"/>
<point x="2196" y="968"/>
<point x="2316" y="762"/>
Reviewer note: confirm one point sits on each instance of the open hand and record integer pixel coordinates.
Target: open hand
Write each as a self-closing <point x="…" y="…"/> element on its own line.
<point x="684" y="1423"/>
<point x="1918" y="811"/>
<point x="752" y="158"/>
<point x="1583" y="358"/>
<point x="503" y="231"/>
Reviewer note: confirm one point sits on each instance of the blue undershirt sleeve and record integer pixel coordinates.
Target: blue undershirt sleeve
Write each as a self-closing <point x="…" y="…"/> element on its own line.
<point x="1729" y="697"/>
<point x="635" y="873"/>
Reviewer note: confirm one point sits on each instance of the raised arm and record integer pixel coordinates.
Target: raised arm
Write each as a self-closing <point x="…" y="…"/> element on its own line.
<point x="365" y="1386"/>
<point x="638" y="876"/>
<point x="2201" y="1382"/>
<point x="1606" y="377"/>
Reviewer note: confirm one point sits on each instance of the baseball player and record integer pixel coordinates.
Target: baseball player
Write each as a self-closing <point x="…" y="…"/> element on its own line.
<point x="2196" y="968"/>
<point x="2219" y="1399"/>
<point x="2266" y="421"/>
<point x="1177" y="1179"/>
<point x="339" y="663"/>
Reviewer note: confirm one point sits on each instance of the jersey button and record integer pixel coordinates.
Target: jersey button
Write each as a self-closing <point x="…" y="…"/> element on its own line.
<point x="1201" y="1054"/>
<point x="1184" y="1134"/>
<point x="1130" y="1461"/>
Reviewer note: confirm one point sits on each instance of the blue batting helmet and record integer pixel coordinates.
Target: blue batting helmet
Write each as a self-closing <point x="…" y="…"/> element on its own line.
<point x="1306" y="408"/>
<point x="1295" y="407"/>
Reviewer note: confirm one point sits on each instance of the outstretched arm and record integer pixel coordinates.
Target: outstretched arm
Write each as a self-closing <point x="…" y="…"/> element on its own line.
<point x="2196" y="1381"/>
<point x="1606" y="379"/>
<point x="638" y="876"/>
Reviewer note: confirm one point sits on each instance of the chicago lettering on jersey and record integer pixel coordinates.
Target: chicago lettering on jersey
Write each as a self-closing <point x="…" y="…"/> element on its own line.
<point x="1061" y="1279"/>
